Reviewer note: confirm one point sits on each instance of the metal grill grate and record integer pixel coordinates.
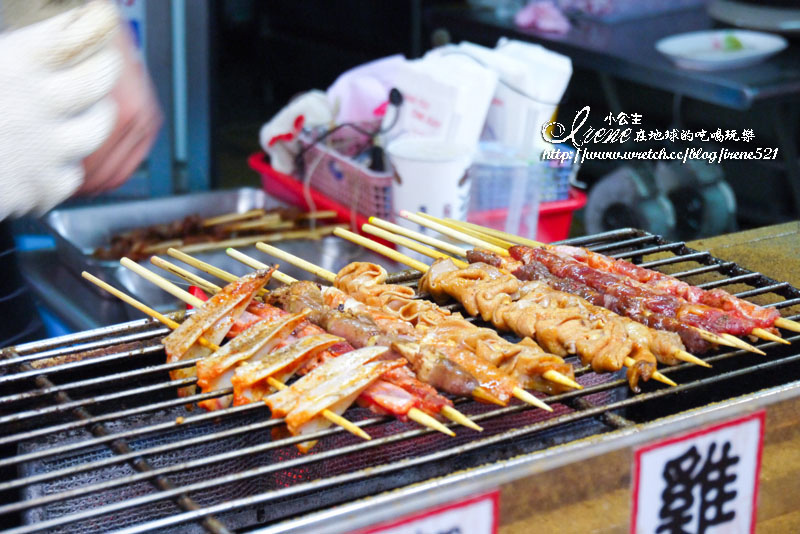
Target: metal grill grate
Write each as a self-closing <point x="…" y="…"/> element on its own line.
<point x="93" y="437"/>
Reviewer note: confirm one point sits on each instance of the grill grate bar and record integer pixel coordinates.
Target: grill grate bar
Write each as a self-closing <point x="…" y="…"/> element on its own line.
<point x="209" y="522"/>
<point x="649" y="250"/>
<point x="621" y="244"/>
<point x="148" y="408"/>
<point x="133" y="433"/>
<point x="27" y="395"/>
<point x="700" y="270"/>
<point x="783" y="304"/>
<point x="760" y="290"/>
<point x="66" y="351"/>
<point x="439" y="455"/>
<point x="596" y="238"/>
<point x="33" y="373"/>
<point x="72" y="404"/>
<point x="114" y="331"/>
<point x="694" y="256"/>
<point x="728" y="281"/>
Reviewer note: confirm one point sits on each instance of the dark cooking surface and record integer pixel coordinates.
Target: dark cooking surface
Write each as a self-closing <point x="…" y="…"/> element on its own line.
<point x="232" y="462"/>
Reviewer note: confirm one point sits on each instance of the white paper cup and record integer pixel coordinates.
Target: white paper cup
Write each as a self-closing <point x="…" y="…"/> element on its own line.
<point x="431" y="178"/>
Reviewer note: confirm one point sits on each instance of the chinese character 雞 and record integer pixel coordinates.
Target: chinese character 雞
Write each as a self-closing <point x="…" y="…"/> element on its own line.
<point x="712" y="479"/>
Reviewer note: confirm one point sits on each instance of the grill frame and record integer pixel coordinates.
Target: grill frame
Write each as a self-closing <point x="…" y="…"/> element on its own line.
<point x="375" y="508"/>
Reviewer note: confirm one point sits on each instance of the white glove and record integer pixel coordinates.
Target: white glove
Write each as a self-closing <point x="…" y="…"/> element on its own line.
<point x="55" y="78"/>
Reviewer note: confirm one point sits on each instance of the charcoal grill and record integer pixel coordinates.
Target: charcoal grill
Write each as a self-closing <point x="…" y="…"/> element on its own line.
<point x="93" y="436"/>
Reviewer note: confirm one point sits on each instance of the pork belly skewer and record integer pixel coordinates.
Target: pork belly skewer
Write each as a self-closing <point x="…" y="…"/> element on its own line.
<point x="465" y="359"/>
<point x="755" y="318"/>
<point x="723" y="339"/>
<point x="398" y="392"/>
<point x="330" y="416"/>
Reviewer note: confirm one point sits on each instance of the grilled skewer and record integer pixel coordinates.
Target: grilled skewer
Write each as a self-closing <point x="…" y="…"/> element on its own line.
<point x="757" y="317"/>
<point x="330" y="416"/>
<point x="442" y="406"/>
<point x="372" y="245"/>
<point x="721" y="339"/>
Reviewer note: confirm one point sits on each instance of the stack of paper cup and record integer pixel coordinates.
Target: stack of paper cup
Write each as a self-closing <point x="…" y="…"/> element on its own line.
<point x="430" y="177"/>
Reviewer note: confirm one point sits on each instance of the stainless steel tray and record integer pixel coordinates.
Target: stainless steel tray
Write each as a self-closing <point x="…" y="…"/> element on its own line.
<point x="79" y="231"/>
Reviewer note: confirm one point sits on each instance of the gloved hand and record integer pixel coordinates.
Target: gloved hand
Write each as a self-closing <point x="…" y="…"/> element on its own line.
<point x="55" y="106"/>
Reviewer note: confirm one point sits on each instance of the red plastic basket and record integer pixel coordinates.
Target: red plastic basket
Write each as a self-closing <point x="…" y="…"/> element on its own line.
<point x="554" y="217"/>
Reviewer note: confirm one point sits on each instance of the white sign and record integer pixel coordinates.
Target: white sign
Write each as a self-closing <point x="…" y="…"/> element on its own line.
<point x="703" y="482"/>
<point x="476" y="515"/>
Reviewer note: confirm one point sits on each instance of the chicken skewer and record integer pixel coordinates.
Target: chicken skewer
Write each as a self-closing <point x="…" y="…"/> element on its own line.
<point x="332" y="417"/>
<point x="756" y="317"/>
<point x="428" y="358"/>
<point x="628" y="361"/>
<point x="723" y="339"/>
<point x="435" y="405"/>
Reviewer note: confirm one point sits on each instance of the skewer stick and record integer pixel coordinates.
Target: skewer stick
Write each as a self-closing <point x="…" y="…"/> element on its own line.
<point x="324" y="214"/>
<point x="249" y="240"/>
<point x="787" y="324"/>
<point x="297" y="262"/>
<point x="230" y="217"/>
<point x="558" y="378"/>
<point x="327" y="414"/>
<point x="527" y="397"/>
<point x="456" y="225"/>
<point x="402" y="258"/>
<point x="690" y="358"/>
<point x="447" y="411"/>
<point x="481" y="394"/>
<point x="454" y="415"/>
<point x="410" y="243"/>
<point x="267" y="222"/>
<point x="505" y="236"/>
<point x="766" y="335"/>
<point x="422" y="238"/>
<point x="455" y="234"/>
<point x="283" y="278"/>
<point x="738" y="343"/>
<point x="207" y="267"/>
<point x="190" y="277"/>
<point x="417" y="415"/>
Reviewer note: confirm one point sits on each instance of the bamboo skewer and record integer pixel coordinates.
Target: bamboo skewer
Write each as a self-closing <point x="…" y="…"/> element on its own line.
<point x="422" y="238"/>
<point x="415" y="414"/>
<point x="402" y="258"/>
<point x="231" y="217"/>
<point x="788" y="324"/>
<point x="249" y="240"/>
<point x="768" y="336"/>
<point x="411" y="244"/>
<point x="327" y="414"/>
<point x="450" y="232"/>
<point x="323" y="214"/>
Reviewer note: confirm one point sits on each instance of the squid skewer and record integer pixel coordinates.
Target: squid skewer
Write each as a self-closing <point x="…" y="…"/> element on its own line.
<point x="414" y="413"/>
<point x="330" y="416"/>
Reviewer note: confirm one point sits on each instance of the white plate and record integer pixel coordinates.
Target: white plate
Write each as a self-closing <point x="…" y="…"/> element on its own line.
<point x="785" y="20"/>
<point x="705" y="50"/>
